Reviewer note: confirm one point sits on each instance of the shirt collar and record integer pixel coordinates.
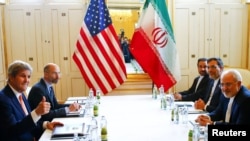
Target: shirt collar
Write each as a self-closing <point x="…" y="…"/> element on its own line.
<point x="48" y="85"/>
<point x="17" y="94"/>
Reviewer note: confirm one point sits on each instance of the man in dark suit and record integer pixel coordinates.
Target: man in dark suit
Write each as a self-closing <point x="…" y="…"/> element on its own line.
<point x="211" y="98"/>
<point x="17" y="121"/>
<point x="199" y="86"/>
<point x="44" y="88"/>
<point x="234" y="103"/>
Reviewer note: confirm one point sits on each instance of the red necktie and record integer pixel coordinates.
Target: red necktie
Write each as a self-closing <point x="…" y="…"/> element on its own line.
<point x="23" y="105"/>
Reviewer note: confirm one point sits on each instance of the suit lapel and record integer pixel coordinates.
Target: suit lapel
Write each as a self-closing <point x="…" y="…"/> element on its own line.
<point x="17" y="106"/>
<point x="209" y="92"/>
<point x="46" y="91"/>
<point x="233" y="110"/>
<point x="195" y="82"/>
<point x="203" y="80"/>
<point x="216" y="90"/>
<point x="26" y="103"/>
<point x="51" y="94"/>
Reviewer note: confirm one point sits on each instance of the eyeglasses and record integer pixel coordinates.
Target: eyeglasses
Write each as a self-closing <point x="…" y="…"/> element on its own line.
<point x="228" y="84"/>
<point x="212" y="67"/>
<point x="54" y="73"/>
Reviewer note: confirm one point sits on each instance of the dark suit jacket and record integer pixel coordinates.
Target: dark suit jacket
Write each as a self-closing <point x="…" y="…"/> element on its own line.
<point x="14" y="125"/>
<point x="240" y="113"/>
<point x="191" y="94"/>
<point x="215" y="98"/>
<point x="35" y="96"/>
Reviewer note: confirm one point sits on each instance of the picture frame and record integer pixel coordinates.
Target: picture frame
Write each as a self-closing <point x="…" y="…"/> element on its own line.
<point x="2" y="1"/>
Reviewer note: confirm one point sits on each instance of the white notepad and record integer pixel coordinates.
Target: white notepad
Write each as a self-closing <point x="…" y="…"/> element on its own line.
<point x="182" y="103"/>
<point x="190" y="105"/>
<point x="75" y="113"/>
<point x="68" y="130"/>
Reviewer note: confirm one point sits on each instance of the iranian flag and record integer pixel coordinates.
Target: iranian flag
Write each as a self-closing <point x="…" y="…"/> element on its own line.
<point x="153" y="45"/>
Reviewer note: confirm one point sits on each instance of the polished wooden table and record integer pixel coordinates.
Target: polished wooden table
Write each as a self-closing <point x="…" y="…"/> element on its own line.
<point x="136" y="118"/>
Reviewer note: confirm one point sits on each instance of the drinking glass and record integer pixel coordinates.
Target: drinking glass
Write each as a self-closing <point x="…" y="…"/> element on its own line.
<point x="184" y="114"/>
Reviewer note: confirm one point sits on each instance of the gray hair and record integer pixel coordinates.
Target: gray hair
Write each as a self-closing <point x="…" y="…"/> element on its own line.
<point x="17" y="66"/>
<point x="236" y="74"/>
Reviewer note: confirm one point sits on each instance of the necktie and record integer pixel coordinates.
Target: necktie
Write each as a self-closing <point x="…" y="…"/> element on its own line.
<point x="51" y="93"/>
<point x="229" y="107"/>
<point x="23" y="105"/>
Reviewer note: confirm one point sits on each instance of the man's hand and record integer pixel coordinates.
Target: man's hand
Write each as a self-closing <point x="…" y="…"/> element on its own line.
<point x="177" y="96"/>
<point x="203" y="120"/>
<point x="199" y="104"/>
<point x="43" y="107"/>
<point x="74" y="107"/>
<point x="52" y="125"/>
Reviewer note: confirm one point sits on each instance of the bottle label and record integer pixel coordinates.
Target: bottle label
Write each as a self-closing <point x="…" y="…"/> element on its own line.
<point x="190" y="135"/>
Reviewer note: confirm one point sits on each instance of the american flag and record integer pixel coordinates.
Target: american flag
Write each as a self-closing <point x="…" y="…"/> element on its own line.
<point x="98" y="54"/>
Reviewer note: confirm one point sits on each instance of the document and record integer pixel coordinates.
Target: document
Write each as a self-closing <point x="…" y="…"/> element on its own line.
<point x="196" y="111"/>
<point x="68" y="130"/>
<point x="76" y="113"/>
<point x="182" y="103"/>
<point x="190" y="105"/>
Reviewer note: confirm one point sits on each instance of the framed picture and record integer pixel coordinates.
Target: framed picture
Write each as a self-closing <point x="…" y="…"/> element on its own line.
<point x="2" y="1"/>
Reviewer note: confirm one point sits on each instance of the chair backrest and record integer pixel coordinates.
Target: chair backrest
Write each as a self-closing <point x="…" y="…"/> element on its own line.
<point x="245" y="73"/>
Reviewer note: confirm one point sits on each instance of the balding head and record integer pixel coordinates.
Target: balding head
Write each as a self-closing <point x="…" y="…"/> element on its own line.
<point x="234" y="74"/>
<point x="231" y="81"/>
<point x="51" y="73"/>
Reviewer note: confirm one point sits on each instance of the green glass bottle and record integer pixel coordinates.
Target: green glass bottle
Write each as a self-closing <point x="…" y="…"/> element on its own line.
<point x="172" y="115"/>
<point x="190" y="135"/>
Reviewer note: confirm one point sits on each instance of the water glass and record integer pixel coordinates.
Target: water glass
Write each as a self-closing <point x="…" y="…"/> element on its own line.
<point x="206" y="133"/>
<point x="170" y="101"/>
<point x="184" y="114"/>
<point x="88" y="109"/>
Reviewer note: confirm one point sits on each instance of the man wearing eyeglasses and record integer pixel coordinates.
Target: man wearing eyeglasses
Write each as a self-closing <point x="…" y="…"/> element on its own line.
<point x="44" y="88"/>
<point x="234" y="103"/>
<point x="211" y="98"/>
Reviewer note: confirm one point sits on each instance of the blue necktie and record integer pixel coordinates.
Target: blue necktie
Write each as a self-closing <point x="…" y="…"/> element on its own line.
<point x="51" y="93"/>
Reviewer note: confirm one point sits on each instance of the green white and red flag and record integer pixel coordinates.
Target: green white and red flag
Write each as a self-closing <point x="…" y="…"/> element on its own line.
<point x="153" y="44"/>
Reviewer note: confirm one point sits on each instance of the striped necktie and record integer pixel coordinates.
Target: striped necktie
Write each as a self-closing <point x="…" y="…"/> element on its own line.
<point x="23" y="105"/>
